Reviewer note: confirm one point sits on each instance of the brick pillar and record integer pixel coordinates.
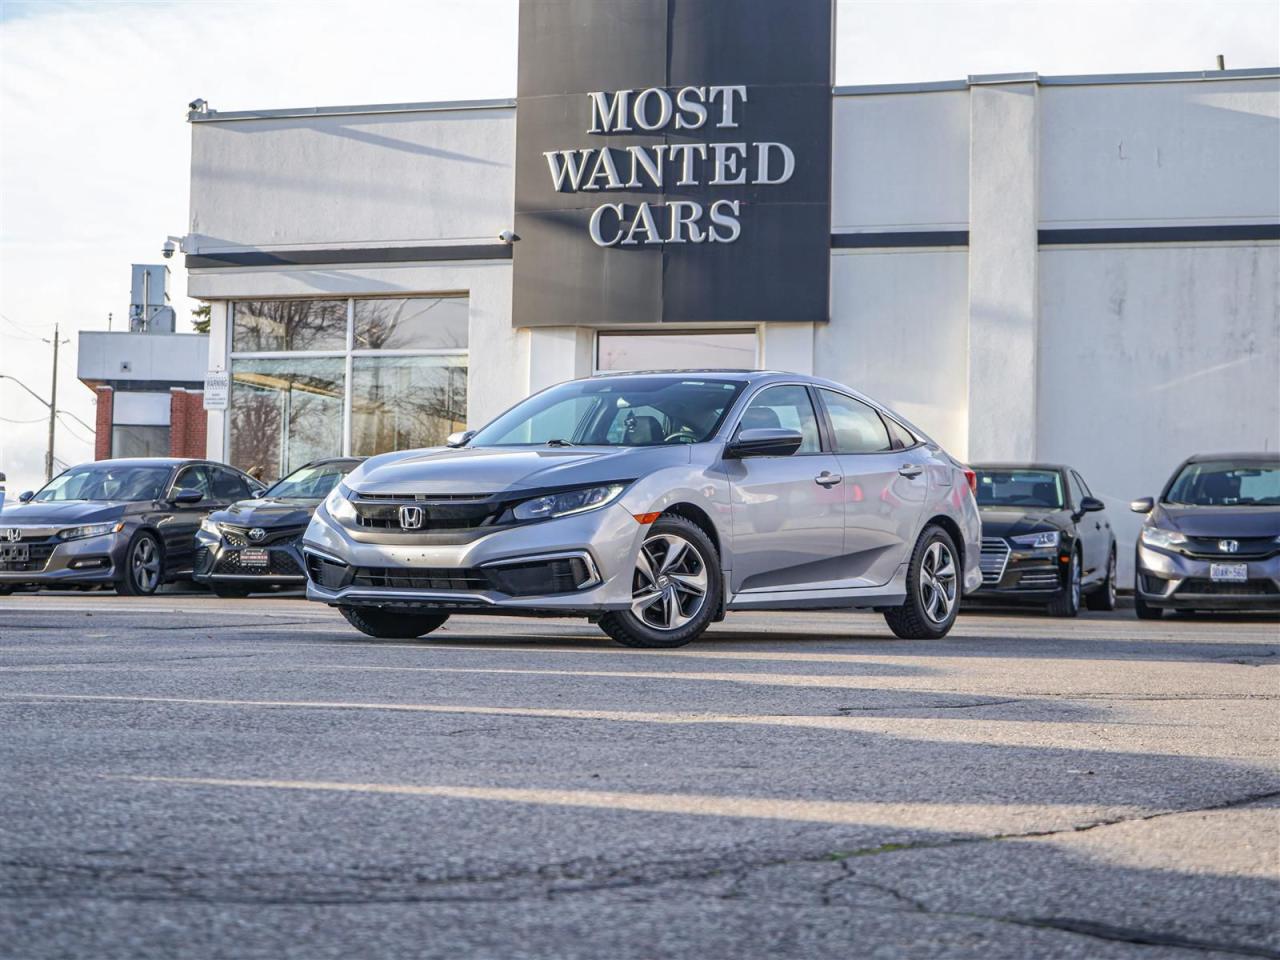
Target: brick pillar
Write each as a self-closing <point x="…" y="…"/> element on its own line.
<point x="188" y="423"/>
<point x="102" y="424"/>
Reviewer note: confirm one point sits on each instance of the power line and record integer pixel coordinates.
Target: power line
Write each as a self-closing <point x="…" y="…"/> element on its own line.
<point x="74" y="433"/>
<point x="10" y="420"/>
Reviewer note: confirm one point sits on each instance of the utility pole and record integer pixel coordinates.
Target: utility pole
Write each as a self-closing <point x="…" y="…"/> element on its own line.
<point x="53" y="407"/>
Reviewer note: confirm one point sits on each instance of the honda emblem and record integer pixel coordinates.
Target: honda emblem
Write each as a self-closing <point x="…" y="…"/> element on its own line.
<point x="13" y="534"/>
<point x="1228" y="546"/>
<point x="412" y="518"/>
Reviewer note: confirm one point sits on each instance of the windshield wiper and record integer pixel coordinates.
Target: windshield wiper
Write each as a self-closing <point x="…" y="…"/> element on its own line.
<point x="559" y="442"/>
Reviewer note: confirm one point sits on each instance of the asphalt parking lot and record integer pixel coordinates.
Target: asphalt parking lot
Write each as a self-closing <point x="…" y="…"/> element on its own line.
<point x="187" y="777"/>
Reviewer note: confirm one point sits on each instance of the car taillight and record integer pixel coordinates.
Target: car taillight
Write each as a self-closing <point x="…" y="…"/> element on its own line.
<point x="972" y="477"/>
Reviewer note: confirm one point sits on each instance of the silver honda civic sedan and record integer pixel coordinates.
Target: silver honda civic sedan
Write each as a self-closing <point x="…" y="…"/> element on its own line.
<point x="652" y="504"/>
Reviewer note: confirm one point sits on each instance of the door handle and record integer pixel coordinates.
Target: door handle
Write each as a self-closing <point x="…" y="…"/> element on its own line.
<point x="827" y="478"/>
<point x="910" y="470"/>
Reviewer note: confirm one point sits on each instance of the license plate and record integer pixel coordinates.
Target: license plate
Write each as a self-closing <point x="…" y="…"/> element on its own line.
<point x="15" y="552"/>
<point x="253" y="558"/>
<point x="1229" y="572"/>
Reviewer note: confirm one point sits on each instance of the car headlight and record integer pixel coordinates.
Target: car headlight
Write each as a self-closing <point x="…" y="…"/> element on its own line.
<point x="570" y="501"/>
<point x="211" y="526"/>
<point x="1044" y="540"/>
<point x="90" y="530"/>
<point x="1156" y="537"/>
<point x="338" y="503"/>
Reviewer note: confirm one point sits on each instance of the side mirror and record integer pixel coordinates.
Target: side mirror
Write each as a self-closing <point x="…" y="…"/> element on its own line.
<point x="26" y="495"/>
<point x="1091" y="505"/>
<point x="186" y="495"/>
<point x="763" y="442"/>
<point x="460" y="439"/>
<point x="257" y="492"/>
<point x="1143" y="505"/>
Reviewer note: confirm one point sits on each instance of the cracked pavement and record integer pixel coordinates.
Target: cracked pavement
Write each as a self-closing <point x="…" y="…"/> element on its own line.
<point x="187" y="777"/>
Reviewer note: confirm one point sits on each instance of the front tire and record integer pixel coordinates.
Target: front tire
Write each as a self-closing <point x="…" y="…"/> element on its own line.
<point x="392" y="624"/>
<point x="1067" y="602"/>
<point x="675" y="588"/>
<point x="143" y="567"/>
<point x="1104" y="597"/>
<point x="933" y="589"/>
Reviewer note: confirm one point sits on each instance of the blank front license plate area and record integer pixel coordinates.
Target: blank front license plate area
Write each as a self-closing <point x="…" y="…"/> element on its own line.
<point x="15" y="552"/>
<point x="253" y="558"/>
<point x="1229" y="572"/>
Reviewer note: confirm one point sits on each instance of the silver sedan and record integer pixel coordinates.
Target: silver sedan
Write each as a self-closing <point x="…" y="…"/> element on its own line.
<point x="652" y="504"/>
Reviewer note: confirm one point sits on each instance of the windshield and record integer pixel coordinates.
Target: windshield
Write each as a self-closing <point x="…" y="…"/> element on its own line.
<point x="312" y="482"/>
<point x="1226" y="483"/>
<point x="616" y="412"/>
<point x="1020" y="488"/>
<point x="107" y="481"/>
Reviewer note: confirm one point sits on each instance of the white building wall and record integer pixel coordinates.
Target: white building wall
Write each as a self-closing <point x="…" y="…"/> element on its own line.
<point x="424" y="176"/>
<point x="1150" y="354"/>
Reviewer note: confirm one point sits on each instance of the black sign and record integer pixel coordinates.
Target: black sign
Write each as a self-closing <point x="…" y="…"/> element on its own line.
<point x="673" y="162"/>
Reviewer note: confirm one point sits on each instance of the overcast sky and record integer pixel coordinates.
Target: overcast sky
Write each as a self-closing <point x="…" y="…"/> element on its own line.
<point x="94" y="147"/>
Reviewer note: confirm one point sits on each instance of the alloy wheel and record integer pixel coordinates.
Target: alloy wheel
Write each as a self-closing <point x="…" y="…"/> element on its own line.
<point x="1074" y="574"/>
<point x="670" y="584"/>
<point x="1111" y="579"/>
<point x="144" y="564"/>
<point x="938" y="582"/>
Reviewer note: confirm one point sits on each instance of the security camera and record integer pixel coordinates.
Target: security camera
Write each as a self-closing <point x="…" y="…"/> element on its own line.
<point x="199" y="105"/>
<point x="508" y="236"/>
<point x="168" y="249"/>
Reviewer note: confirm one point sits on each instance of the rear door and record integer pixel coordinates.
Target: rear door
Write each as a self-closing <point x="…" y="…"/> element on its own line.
<point x="885" y="489"/>
<point x="1093" y="528"/>
<point x="787" y="512"/>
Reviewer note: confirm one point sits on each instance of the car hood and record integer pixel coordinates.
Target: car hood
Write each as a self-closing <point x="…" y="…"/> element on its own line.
<point x="268" y="512"/>
<point x="483" y="470"/>
<point x="67" y="512"/>
<point x="1002" y="522"/>
<point x="1219" y="521"/>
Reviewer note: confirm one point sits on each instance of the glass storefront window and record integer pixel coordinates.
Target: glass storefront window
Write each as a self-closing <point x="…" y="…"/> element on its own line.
<point x="260" y="326"/>
<point x="139" y="441"/>
<point x="676" y="351"/>
<point x="399" y="403"/>
<point x="285" y="412"/>
<point x="418" y="323"/>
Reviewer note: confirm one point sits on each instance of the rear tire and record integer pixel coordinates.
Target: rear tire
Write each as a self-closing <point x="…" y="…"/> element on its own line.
<point x="1104" y="597"/>
<point x="1067" y="602"/>
<point x="933" y="589"/>
<point x="143" y="567"/>
<point x="392" y="624"/>
<point x="676" y="588"/>
<point x="229" y="591"/>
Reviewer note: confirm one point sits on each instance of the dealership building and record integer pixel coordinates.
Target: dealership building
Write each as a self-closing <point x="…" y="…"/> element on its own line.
<point x="1078" y="269"/>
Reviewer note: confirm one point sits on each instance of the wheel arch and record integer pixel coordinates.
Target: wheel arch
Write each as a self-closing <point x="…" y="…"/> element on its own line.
<point x="700" y="518"/>
<point x="953" y="529"/>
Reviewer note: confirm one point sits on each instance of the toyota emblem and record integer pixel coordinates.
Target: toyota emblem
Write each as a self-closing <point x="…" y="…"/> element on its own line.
<point x="13" y="534"/>
<point x="1228" y="546"/>
<point x="412" y="518"/>
<point x="256" y="534"/>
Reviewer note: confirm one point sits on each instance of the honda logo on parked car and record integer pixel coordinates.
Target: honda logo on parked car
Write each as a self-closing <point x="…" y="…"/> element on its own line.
<point x="13" y="534"/>
<point x="412" y="518"/>
<point x="1228" y="546"/>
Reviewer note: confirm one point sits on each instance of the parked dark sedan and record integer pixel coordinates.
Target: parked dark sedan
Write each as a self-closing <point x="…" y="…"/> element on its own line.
<point x="125" y="523"/>
<point x="1212" y="540"/>
<point x="1045" y="538"/>
<point x="253" y="545"/>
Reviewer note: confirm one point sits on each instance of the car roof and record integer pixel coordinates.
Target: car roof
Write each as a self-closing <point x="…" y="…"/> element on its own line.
<point x="1019" y="465"/>
<point x="144" y="461"/>
<point x="1254" y="457"/>
<point x="725" y="373"/>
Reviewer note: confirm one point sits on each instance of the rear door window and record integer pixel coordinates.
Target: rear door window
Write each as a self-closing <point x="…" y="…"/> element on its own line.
<point x="857" y="427"/>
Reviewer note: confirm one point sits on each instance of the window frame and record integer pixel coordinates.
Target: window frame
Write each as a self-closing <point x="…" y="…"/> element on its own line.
<point x="831" y="429"/>
<point x="347" y="354"/>
<point x="819" y="414"/>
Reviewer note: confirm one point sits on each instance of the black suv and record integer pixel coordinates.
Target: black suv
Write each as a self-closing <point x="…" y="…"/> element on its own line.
<point x="1045" y="538"/>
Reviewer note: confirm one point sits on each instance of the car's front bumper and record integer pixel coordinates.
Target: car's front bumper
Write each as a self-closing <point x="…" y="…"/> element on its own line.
<point x="217" y="561"/>
<point x="1176" y="581"/>
<point x="1011" y="573"/>
<point x="600" y="546"/>
<point x="52" y="562"/>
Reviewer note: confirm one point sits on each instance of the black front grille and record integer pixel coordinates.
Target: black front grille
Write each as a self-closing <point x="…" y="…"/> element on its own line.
<point x="1249" y="588"/>
<point x="239" y="536"/>
<point x="444" y="512"/>
<point x="420" y="578"/>
<point x="1252" y="547"/>
<point x="38" y="554"/>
